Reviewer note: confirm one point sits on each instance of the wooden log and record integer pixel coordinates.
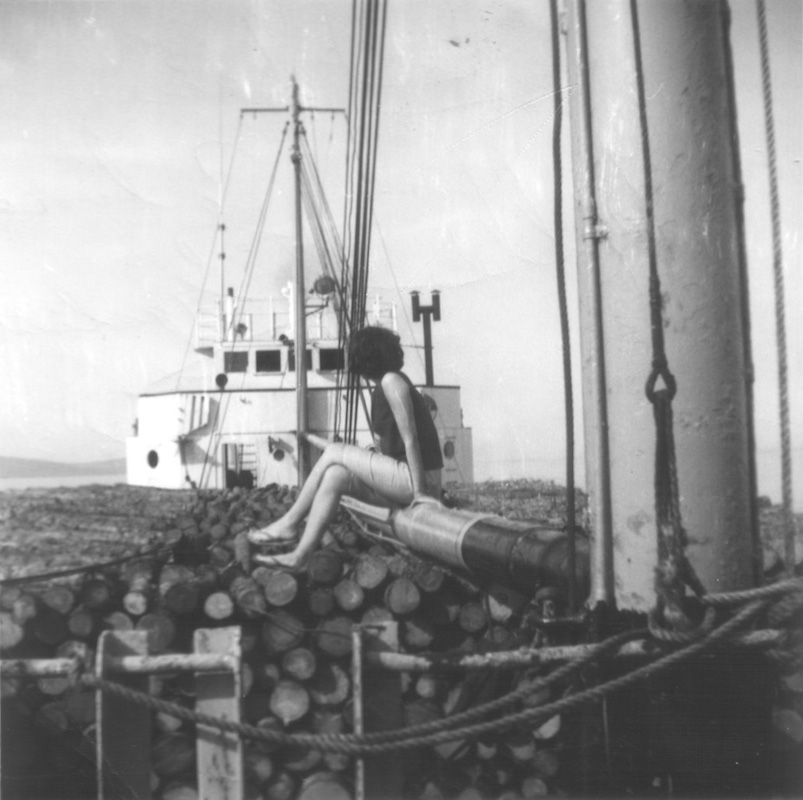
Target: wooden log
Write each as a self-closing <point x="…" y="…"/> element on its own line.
<point x="299" y="663"/>
<point x="323" y="786"/>
<point x="172" y="754"/>
<point x="59" y="598"/>
<point x="330" y="685"/>
<point x="220" y="557"/>
<point x="8" y="594"/>
<point x="321" y="601"/>
<point x="242" y="549"/>
<point x="282" y="787"/>
<point x="118" y="621"/>
<point x="370" y="571"/>
<point x="328" y="722"/>
<point x="53" y="686"/>
<point x="161" y="631"/>
<point x="549" y="730"/>
<point x="281" y="632"/>
<point x="418" y="633"/>
<point x="269" y="723"/>
<point x="167" y="723"/>
<point x="532" y="787"/>
<point x="349" y="595"/>
<point x="325" y="567"/>
<point x="428" y="577"/>
<point x="218" y="532"/>
<point x="430" y="687"/>
<point x="546" y="763"/>
<point x="333" y="636"/>
<point x="402" y="597"/>
<point x="49" y="626"/>
<point x="11" y="632"/>
<point x="258" y="766"/>
<point x="248" y="596"/>
<point x="96" y="593"/>
<point x="280" y="588"/>
<point x="504" y="603"/>
<point x="23" y="608"/>
<point x="499" y="637"/>
<point x="182" y="598"/>
<point x="473" y="618"/>
<point x="289" y="701"/>
<point x="337" y="762"/>
<point x="301" y="759"/>
<point x="376" y="615"/>
<point x="520" y="745"/>
<point x="82" y="623"/>
<point x="136" y="603"/>
<point x="179" y="790"/>
<point x="219" y="606"/>
<point x="398" y="566"/>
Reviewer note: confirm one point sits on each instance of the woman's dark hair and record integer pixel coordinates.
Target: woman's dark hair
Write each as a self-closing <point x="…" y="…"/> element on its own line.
<point x="373" y="351"/>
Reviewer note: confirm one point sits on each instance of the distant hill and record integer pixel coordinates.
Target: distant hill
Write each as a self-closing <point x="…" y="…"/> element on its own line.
<point x="33" y="468"/>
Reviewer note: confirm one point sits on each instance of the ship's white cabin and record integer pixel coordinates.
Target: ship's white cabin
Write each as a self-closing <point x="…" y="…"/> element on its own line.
<point x="229" y="419"/>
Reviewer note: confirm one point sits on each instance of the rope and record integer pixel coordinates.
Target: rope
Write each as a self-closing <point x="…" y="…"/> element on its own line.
<point x="780" y="313"/>
<point x="674" y="572"/>
<point x="562" y="304"/>
<point x="47" y="576"/>
<point x="423" y="735"/>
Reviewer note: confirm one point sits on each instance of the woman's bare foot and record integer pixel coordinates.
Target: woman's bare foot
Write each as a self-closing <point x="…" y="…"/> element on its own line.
<point x="293" y="561"/>
<point x="275" y="533"/>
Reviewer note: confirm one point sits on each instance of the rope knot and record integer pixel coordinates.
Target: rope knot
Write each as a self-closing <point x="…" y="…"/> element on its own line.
<point x="660" y="369"/>
<point x="670" y="623"/>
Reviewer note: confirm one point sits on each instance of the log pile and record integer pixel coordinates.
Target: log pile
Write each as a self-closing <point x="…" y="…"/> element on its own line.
<point x="296" y="634"/>
<point x="297" y="649"/>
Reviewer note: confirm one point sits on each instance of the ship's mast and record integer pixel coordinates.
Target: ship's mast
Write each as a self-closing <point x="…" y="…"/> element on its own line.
<point x="302" y="412"/>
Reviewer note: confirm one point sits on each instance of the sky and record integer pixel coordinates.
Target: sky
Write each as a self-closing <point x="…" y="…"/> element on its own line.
<point x="122" y="129"/>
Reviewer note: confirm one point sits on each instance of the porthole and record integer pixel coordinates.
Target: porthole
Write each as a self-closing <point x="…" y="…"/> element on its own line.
<point x="153" y="459"/>
<point x="448" y="449"/>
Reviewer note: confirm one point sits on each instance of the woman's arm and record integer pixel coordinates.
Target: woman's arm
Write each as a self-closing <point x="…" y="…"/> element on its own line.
<point x="397" y="393"/>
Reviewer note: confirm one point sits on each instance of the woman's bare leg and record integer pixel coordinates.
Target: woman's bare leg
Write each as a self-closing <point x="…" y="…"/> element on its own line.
<point x="332" y="484"/>
<point x="286" y="528"/>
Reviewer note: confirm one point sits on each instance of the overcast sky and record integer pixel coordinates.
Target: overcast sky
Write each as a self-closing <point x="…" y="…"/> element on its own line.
<point x="120" y="123"/>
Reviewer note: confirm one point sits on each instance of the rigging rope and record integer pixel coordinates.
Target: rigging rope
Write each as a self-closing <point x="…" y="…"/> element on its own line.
<point x="562" y="304"/>
<point x="780" y="312"/>
<point x="240" y="304"/>
<point x="451" y="728"/>
<point x="673" y="571"/>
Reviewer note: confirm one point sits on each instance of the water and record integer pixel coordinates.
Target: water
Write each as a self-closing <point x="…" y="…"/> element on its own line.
<point x="58" y="481"/>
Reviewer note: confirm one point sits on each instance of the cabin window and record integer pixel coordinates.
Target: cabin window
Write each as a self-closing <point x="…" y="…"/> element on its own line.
<point x="331" y="359"/>
<point x="153" y="459"/>
<point x="291" y="360"/>
<point x="235" y="362"/>
<point x="269" y="361"/>
<point x="448" y="449"/>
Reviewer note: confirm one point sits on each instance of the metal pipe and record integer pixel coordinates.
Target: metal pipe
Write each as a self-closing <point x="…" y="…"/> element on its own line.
<point x="532" y="656"/>
<point x="592" y="339"/>
<point x="133" y="665"/>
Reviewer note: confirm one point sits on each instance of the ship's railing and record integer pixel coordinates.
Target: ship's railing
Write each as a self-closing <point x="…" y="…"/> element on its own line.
<point x="211" y="328"/>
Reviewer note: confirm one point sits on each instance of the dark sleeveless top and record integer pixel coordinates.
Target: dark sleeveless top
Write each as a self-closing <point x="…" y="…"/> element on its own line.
<point x="385" y="427"/>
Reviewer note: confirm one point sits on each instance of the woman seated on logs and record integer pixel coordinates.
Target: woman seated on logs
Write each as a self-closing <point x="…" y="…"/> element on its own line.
<point x="406" y="469"/>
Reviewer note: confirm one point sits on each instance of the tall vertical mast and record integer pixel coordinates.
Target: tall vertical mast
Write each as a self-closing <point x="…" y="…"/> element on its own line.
<point x="302" y="414"/>
<point x="688" y="183"/>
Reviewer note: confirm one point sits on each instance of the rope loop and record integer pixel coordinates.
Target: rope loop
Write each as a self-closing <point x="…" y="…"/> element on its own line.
<point x="679" y="630"/>
<point x="660" y="369"/>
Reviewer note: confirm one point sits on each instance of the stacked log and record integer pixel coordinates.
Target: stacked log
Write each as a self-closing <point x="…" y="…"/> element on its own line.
<point x="296" y="634"/>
